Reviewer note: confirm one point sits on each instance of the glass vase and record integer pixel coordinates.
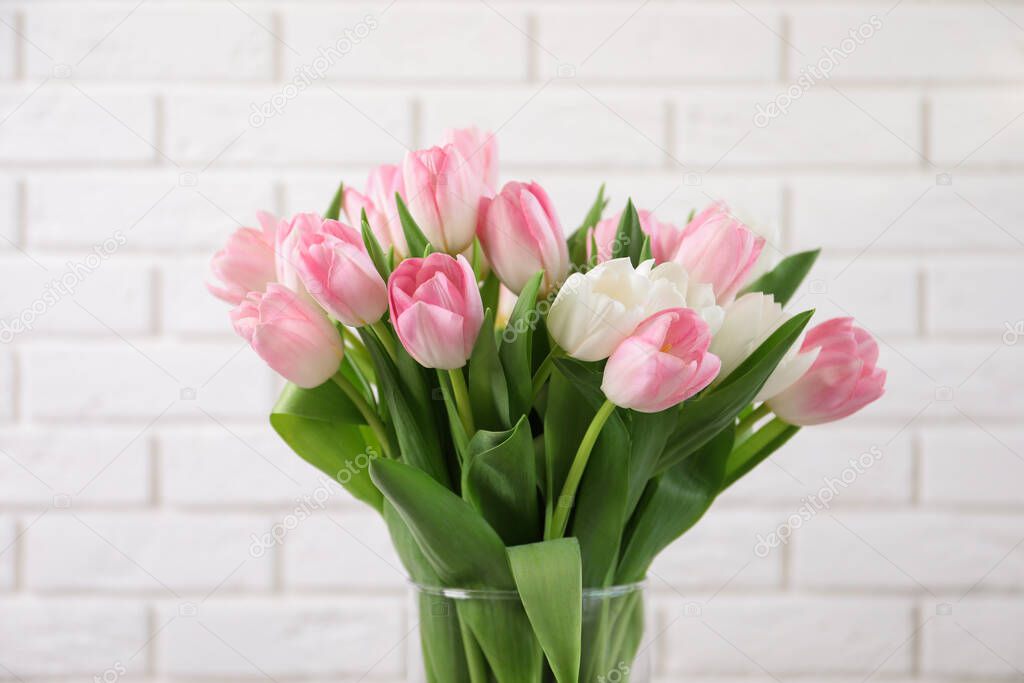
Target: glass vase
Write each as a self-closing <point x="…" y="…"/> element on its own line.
<point x="484" y="636"/>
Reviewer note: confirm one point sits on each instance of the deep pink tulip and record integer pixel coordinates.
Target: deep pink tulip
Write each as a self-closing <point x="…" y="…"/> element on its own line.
<point x="337" y="271"/>
<point x="664" y="237"/>
<point x="521" y="235"/>
<point x="382" y="185"/>
<point x="293" y="336"/>
<point x="436" y="309"/>
<point x="480" y="150"/>
<point x="443" y="192"/>
<point x="246" y="263"/>
<point x="717" y="248"/>
<point x="664" y="362"/>
<point x="843" y="379"/>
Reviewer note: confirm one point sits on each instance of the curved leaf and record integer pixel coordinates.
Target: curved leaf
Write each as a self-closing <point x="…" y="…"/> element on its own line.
<point x="488" y="390"/>
<point x="515" y="352"/>
<point x="783" y="280"/>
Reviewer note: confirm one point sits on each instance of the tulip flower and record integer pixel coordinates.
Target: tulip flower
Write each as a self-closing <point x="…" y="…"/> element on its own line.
<point x="843" y="378"/>
<point x="480" y="150"/>
<point x="520" y="235"/>
<point x="749" y="321"/>
<point x="379" y="203"/>
<point x="337" y="271"/>
<point x="664" y="237"/>
<point x="287" y="240"/>
<point x="443" y="194"/>
<point x="718" y="249"/>
<point x="436" y="309"/>
<point x="246" y="263"/>
<point x="663" y="363"/>
<point x="293" y="336"/>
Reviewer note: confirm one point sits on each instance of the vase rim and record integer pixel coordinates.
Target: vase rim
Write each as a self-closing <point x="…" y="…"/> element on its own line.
<point x="498" y="594"/>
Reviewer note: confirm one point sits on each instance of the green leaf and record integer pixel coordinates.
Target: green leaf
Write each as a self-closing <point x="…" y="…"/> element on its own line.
<point x="711" y="411"/>
<point x="503" y="632"/>
<point x="323" y="427"/>
<point x="373" y="248"/>
<point x="414" y="237"/>
<point x="488" y="390"/>
<point x="629" y="237"/>
<point x="549" y="578"/>
<point x="645" y="252"/>
<point x="334" y="209"/>
<point x="756" y="448"/>
<point x="673" y="504"/>
<point x="461" y="547"/>
<point x="578" y="239"/>
<point x="500" y="480"/>
<point x="648" y="436"/>
<point x="516" y="347"/>
<point x="565" y="422"/>
<point x="783" y="280"/>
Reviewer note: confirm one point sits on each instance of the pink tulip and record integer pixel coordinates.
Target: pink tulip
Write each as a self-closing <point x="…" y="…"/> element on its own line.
<point x="436" y="309"/>
<point x="443" y="192"/>
<point x="843" y="379"/>
<point x="337" y="271"/>
<point x="246" y="263"/>
<point x="521" y="235"/>
<point x="664" y="237"/>
<point x="290" y="334"/>
<point x="716" y="248"/>
<point x="480" y="149"/>
<point x="289" y="237"/>
<point x="382" y="185"/>
<point x="664" y="362"/>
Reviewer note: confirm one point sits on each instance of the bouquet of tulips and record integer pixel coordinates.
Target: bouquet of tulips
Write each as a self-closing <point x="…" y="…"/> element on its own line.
<point x="536" y="414"/>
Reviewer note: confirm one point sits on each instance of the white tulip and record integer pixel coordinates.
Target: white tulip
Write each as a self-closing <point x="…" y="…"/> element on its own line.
<point x="671" y="281"/>
<point x="749" y="321"/>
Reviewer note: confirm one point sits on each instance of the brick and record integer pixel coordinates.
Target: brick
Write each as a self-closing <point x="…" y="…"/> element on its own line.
<point x="7" y="386"/>
<point x="244" y="466"/>
<point x="815" y="458"/>
<point x="787" y="635"/>
<point x="186" y="306"/>
<point x="316" y="125"/>
<point x="977" y="127"/>
<point x="314" y="637"/>
<point x="313" y="191"/>
<point x="117" y="380"/>
<point x="908" y="213"/>
<point x="157" y="553"/>
<point x="973" y="465"/>
<point x="954" y="307"/>
<point x="92" y="294"/>
<point x="618" y="43"/>
<point x="557" y="126"/>
<point x="8" y="215"/>
<point x="341" y="549"/>
<point x="909" y="551"/>
<point x="8" y="536"/>
<point x="70" y="637"/>
<point x="363" y="42"/>
<point x="124" y="43"/>
<point x="981" y="637"/>
<point x="8" y="45"/>
<point x="718" y="127"/>
<point x="83" y="465"/>
<point x="955" y="43"/>
<point x="717" y="550"/>
<point x="76" y="124"/>
<point x="154" y="210"/>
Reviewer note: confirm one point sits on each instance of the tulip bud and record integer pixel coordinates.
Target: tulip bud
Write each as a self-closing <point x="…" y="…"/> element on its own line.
<point x="663" y="363"/>
<point x="436" y="309"/>
<point x="246" y="263"/>
<point x="520" y="235"/>
<point x="843" y="378"/>
<point x="290" y="334"/>
<point x="337" y="271"/>
<point x="480" y="149"/>
<point x="379" y="203"/>
<point x="443" y="193"/>
<point x="718" y="249"/>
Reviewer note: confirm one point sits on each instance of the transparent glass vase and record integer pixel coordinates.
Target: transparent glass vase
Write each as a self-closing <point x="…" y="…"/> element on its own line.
<point x="484" y="636"/>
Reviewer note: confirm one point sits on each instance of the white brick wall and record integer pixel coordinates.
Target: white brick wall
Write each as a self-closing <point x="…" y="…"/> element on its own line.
<point x="138" y="476"/>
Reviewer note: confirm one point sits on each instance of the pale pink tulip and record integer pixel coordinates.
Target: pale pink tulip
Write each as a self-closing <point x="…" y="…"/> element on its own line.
<point x="521" y="235"/>
<point x="718" y="249"/>
<point x="286" y="251"/>
<point x="664" y="237"/>
<point x="293" y="336"/>
<point x="436" y="309"/>
<point x="664" y="362"/>
<point x="382" y="185"/>
<point x="843" y="379"/>
<point x="246" y="263"/>
<point x="337" y="271"/>
<point x="443" y="193"/>
<point x="480" y="150"/>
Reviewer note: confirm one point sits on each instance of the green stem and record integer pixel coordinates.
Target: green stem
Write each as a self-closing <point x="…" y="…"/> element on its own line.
<point x="384" y="335"/>
<point x="461" y="392"/>
<point x="564" y="504"/>
<point x="365" y="410"/>
<point x="544" y="371"/>
<point x="747" y="424"/>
